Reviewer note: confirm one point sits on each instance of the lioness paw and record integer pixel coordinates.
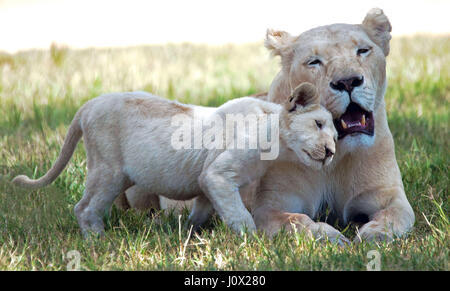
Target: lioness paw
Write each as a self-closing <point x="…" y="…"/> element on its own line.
<point x="327" y="232"/>
<point x="373" y="231"/>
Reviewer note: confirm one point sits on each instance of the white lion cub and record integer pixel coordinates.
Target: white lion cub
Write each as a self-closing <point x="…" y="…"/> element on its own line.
<point x="130" y="140"/>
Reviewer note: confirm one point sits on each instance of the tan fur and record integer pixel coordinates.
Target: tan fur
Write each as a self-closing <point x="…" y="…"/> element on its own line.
<point x="364" y="177"/>
<point x="129" y="146"/>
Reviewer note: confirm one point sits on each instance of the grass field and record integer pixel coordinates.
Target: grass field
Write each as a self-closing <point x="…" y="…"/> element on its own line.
<point x="40" y="91"/>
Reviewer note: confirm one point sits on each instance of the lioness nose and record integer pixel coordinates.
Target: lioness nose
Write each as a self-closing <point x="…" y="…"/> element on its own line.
<point x="347" y="84"/>
<point x="328" y="152"/>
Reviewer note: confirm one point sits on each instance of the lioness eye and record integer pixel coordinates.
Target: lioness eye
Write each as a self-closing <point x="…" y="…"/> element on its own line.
<point x="314" y="62"/>
<point x="319" y="124"/>
<point x="362" y="51"/>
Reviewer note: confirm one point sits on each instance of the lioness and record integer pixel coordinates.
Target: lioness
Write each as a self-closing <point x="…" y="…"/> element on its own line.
<point x="129" y="142"/>
<point x="347" y="63"/>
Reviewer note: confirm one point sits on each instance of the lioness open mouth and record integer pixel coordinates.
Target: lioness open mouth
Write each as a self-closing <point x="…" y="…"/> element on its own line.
<point x="355" y="120"/>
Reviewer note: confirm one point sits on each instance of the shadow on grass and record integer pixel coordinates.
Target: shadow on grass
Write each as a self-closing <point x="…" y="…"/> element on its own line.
<point x="34" y="214"/>
<point x="26" y="213"/>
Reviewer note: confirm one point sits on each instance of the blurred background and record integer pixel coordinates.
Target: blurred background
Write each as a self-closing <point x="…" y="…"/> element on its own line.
<point x="28" y="24"/>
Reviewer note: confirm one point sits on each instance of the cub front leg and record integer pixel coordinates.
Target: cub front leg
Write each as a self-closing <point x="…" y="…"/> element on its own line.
<point x="223" y="192"/>
<point x="271" y="221"/>
<point x="202" y="208"/>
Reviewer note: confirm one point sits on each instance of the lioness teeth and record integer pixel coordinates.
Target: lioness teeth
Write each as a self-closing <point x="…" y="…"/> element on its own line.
<point x="363" y="120"/>
<point x="344" y="125"/>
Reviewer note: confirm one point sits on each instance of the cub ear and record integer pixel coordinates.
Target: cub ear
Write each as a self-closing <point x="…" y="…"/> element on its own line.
<point x="378" y="27"/>
<point x="303" y="95"/>
<point x="279" y="42"/>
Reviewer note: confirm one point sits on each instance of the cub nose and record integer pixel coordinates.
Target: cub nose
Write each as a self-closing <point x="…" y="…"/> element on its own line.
<point x="347" y="84"/>
<point x="328" y="152"/>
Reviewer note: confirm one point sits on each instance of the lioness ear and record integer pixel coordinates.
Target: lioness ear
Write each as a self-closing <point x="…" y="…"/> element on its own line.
<point x="303" y="95"/>
<point x="279" y="42"/>
<point x="378" y="27"/>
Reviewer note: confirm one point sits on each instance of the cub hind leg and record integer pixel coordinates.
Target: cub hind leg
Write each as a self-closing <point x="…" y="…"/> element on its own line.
<point x="201" y="211"/>
<point x="102" y="187"/>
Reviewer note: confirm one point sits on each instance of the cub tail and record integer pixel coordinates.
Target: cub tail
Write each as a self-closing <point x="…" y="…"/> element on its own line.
<point x="73" y="136"/>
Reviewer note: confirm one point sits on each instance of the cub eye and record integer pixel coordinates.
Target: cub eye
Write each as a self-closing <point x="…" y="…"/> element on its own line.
<point x="314" y="62"/>
<point x="319" y="124"/>
<point x="362" y="51"/>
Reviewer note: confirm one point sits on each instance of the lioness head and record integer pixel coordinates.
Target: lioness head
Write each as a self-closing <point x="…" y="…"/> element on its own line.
<point x="307" y="127"/>
<point x="347" y="64"/>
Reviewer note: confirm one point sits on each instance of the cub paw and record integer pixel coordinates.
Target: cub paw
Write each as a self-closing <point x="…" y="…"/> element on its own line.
<point x="245" y="225"/>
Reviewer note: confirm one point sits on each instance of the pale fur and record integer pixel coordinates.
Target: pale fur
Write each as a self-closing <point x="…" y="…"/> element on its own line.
<point x="364" y="178"/>
<point x="127" y="137"/>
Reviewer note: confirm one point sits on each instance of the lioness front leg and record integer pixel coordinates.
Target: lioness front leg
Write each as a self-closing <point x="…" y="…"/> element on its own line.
<point x="271" y="221"/>
<point x="389" y="212"/>
<point x="224" y="195"/>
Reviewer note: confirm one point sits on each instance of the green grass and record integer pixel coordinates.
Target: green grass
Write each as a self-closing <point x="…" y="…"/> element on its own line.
<point x="40" y="91"/>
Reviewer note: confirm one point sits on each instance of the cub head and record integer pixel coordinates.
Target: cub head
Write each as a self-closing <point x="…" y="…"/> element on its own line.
<point x="307" y="127"/>
<point x="347" y="64"/>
